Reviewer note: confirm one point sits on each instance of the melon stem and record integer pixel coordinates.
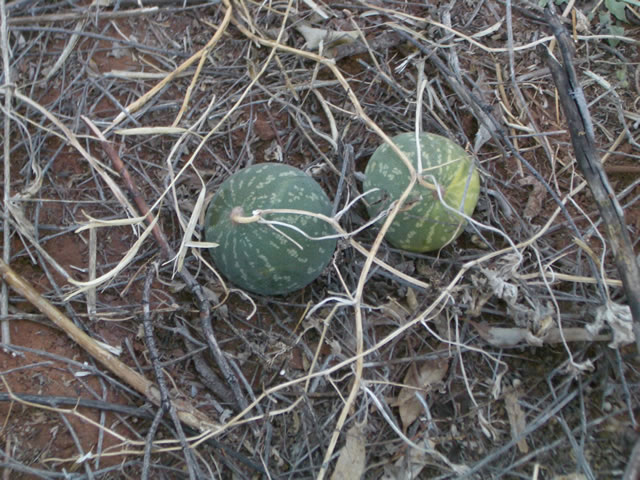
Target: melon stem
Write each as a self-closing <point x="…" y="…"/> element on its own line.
<point x="431" y="186"/>
<point x="237" y="216"/>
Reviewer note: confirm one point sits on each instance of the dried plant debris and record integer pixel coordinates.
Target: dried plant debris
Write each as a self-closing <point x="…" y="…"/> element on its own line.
<point x="618" y="318"/>
<point x="420" y="379"/>
<point x="351" y="462"/>
<point x="314" y="37"/>
<point x="517" y="420"/>
<point x="509" y="352"/>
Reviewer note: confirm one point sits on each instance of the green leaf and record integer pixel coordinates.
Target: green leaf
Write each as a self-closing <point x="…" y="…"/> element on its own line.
<point x="605" y="19"/>
<point x="615" y="30"/>
<point x="621" y="75"/>
<point x="616" y="7"/>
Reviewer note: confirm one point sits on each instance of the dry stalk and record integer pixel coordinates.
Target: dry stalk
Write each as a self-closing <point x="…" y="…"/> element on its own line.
<point x="65" y="17"/>
<point x="8" y="96"/>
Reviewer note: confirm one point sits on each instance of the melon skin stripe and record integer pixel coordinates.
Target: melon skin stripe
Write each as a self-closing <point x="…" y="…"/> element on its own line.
<point x="423" y="224"/>
<point x="255" y="256"/>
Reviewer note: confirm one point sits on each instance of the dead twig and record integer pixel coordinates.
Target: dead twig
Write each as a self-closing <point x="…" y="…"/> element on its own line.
<point x="633" y="467"/>
<point x="56" y="401"/>
<point x="8" y="100"/>
<point x="66" y="16"/>
<point x="207" y="375"/>
<point x="165" y="405"/>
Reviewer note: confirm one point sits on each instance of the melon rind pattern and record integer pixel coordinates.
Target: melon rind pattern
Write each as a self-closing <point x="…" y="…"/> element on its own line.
<point x="255" y="256"/>
<point x="426" y="225"/>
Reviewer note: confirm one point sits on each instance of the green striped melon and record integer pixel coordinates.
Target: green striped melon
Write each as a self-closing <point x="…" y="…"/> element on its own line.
<point x="423" y="223"/>
<point x="269" y="259"/>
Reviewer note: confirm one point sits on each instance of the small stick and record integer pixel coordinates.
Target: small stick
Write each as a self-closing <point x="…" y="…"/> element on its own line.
<point x="68" y="16"/>
<point x="632" y="472"/>
<point x="91" y="293"/>
<point x="56" y="401"/>
<point x="8" y="100"/>
<point x="622" y="169"/>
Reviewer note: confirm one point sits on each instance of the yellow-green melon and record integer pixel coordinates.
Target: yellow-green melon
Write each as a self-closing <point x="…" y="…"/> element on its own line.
<point x="423" y="224"/>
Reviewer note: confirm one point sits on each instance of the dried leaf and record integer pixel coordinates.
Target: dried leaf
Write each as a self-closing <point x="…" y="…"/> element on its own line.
<point x="536" y="198"/>
<point x="396" y="311"/>
<point x="188" y="233"/>
<point x="408" y="466"/>
<point x="517" y="420"/>
<point x="315" y="36"/>
<point x="483" y="135"/>
<point x="119" y="51"/>
<point x="486" y="129"/>
<point x="488" y="31"/>
<point x="582" y="22"/>
<point x="500" y="287"/>
<point x="618" y="317"/>
<point x="500" y="336"/>
<point x="351" y="461"/>
<point x="412" y="301"/>
<point x="420" y="379"/>
<point x="444" y="329"/>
